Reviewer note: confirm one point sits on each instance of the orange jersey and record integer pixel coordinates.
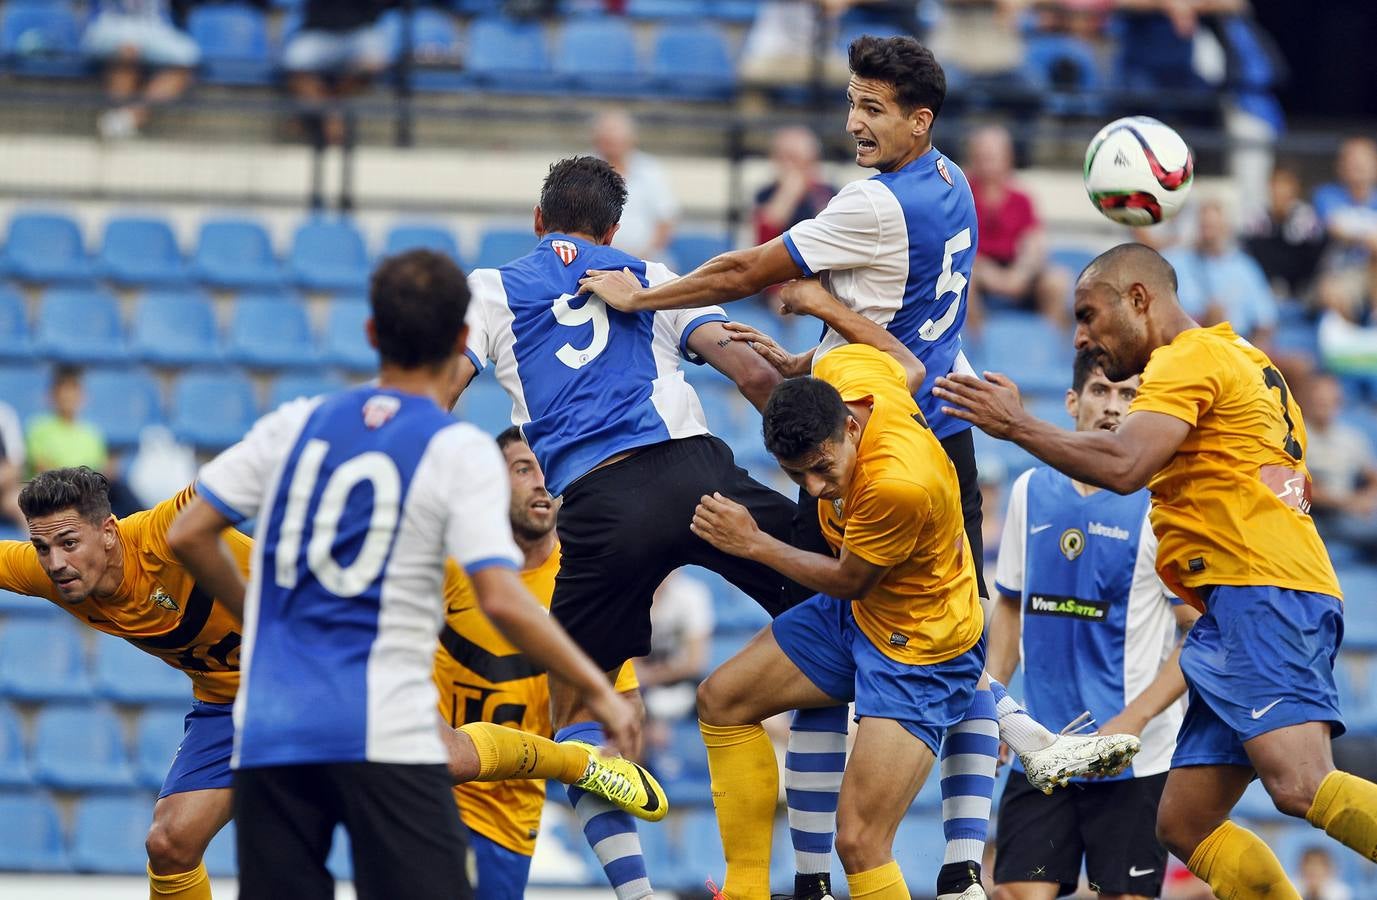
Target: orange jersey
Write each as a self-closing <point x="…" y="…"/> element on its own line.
<point x="902" y="510"/>
<point x="1232" y="505"/>
<point x="483" y="678"/>
<point x="158" y="607"/>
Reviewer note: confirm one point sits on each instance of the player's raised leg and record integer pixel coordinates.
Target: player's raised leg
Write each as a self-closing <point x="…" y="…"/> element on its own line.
<point x="970" y="759"/>
<point x="183" y="826"/>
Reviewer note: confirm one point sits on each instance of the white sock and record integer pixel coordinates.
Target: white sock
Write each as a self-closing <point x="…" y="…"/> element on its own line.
<point x="1019" y="730"/>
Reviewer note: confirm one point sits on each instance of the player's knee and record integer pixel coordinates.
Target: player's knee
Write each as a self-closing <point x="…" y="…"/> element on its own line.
<point x="711" y="701"/>
<point x="1176" y="834"/>
<point x="1291" y="794"/>
<point x="862" y="847"/>
<point x="170" y="851"/>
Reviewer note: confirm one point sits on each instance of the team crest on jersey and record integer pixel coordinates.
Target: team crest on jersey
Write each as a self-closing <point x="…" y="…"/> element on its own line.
<point x="1072" y="543"/>
<point x="379" y="410"/>
<point x="837" y="507"/>
<point x="164" y="599"/>
<point x="567" y="251"/>
<point x="942" y="170"/>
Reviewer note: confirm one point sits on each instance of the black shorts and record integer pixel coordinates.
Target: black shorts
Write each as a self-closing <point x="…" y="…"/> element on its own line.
<point x="1111" y="825"/>
<point x="624" y="527"/>
<point x="960" y="448"/>
<point x="405" y="835"/>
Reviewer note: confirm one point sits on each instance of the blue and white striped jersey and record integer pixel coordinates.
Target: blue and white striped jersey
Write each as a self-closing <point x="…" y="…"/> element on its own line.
<point x="898" y="249"/>
<point x="1097" y="621"/>
<point x="587" y="382"/>
<point x="360" y="497"/>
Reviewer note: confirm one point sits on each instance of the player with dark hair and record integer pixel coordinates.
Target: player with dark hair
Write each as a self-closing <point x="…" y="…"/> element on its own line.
<point x="360" y="496"/>
<point x="1217" y="438"/>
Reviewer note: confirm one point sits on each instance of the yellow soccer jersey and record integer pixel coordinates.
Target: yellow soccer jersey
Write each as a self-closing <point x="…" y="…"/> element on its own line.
<point x="903" y="510"/>
<point x="1233" y="505"/>
<point x="482" y="678"/>
<point x="158" y="607"/>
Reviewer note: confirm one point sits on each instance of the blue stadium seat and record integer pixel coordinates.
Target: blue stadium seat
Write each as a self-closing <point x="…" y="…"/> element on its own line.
<point x="500" y="246"/>
<point x="702" y="843"/>
<point x="598" y="55"/>
<point x="435" y="50"/>
<point x="220" y="857"/>
<point x="1257" y="805"/>
<point x="42" y="659"/>
<point x="80" y="325"/>
<point x="41" y="40"/>
<point x="24" y="387"/>
<point x="125" y="674"/>
<point x="14" y="761"/>
<point x="692" y="61"/>
<point x="1359" y="586"/>
<point x="236" y="254"/>
<point x="1065" y="70"/>
<point x="212" y="410"/>
<point x="692" y="250"/>
<point x="44" y="248"/>
<point x="1356" y="677"/>
<point x="505" y="55"/>
<point x="734" y="10"/>
<point x="271" y="332"/>
<point x="141" y="251"/>
<point x="668" y="9"/>
<point x="12" y="604"/>
<point x="682" y="766"/>
<point x="732" y="609"/>
<point x="31" y="834"/>
<point x="108" y="833"/>
<point x="918" y="847"/>
<point x="417" y="236"/>
<point x="485" y="404"/>
<point x="1029" y="349"/>
<point x="174" y="328"/>
<point x="14" y="325"/>
<point x="725" y="645"/>
<point x="289" y="387"/>
<point x="120" y="402"/>
<point x="234" y="43"/>
<point x="344" y="343"/>
<point x="156" y="742"/>
<point x="329" y="255"/>
<point x="79" y="747"/>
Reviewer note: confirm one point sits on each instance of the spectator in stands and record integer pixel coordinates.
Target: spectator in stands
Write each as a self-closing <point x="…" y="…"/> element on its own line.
<point x="1348" y="207"/>
<point x="1342" y="466"/>
<point x="1348" y="331"/>
<point x="651" y="212"/>
<point x="681" y="620"/>
<point x="1319" y="878"/>
<point x="127" y="37"/>
<point x="339" y="49"/>
<point x="1287" y="237"/>
<point x="11" y="465"/>
<point x="1011" y="260"/>
<point x="1218" y="282"/>
<point x="799" y="190"/>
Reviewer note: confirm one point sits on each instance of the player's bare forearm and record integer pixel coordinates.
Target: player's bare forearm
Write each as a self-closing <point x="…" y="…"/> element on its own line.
<point x="464" y="372"/>
<point x="818" y="571"/>
<point x="809" y="296"/>
<point x="1164" y="690"/>
<point x="751" y="374"/>
<point x="194" y="537"/>
<point x="722" y="279"/>
<point x="1005" y="631"/>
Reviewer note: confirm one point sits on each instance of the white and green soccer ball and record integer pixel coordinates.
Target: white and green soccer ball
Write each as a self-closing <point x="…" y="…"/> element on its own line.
<point x="1138" y="171"/>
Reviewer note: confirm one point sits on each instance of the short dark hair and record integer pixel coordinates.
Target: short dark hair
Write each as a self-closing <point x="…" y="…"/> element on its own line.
<point x="66" y="373"/>
<point x="510" y="435"/>
<point x="1087" y="364"/>
<point x="418" y="300"/>
<point x="55" y="490"/>
<point x="916" y="74"/>
<point x="582" y="194"/>
<point x="801" y="414"/>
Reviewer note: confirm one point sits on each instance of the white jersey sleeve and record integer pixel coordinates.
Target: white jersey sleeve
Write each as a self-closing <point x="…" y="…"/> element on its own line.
<point x="472" y="486"/>
<point x="236" y="481"/>
<point x="862" y="223"/>
<point x="485" y="285"/>
<point x="1013" y="541"/>
<point x="673" y="326"/>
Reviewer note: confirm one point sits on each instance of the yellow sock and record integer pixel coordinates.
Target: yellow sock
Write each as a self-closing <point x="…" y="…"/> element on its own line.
<point x="883" y="883"/>
<point x="745" y="791"/>
<point x="1237" y="865"/>
<point x="505" y="753"/>
<point x="193" y="885"/>
<point x="1345" y="806"/>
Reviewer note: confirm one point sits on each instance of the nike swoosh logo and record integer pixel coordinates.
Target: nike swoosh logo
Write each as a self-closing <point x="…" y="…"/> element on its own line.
<point x="1037" y="528"/>
<point x="1259" y="713"/>
<point x="652" y="802"/>
<point x="455" y="610"/>
<point x="1135" y="872"/>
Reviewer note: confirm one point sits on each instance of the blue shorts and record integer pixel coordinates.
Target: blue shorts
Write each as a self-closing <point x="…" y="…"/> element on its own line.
<point x="502" y="873"/>
<point x="202" y="762"/>
<point x="821" y="637"/>
<point x="1259" y="659"/>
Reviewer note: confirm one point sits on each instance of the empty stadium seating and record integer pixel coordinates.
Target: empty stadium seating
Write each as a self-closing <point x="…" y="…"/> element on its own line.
<point x="271" y="332"/>
<point x="140" y="251"/>
<point x="14" y="325"/>
<point x="31" y="834"/>
<point x="236" y="253"/>
<point x="42" y="660"/>
<point x="212" y="409"/>
<point x="120" y="402"/>
<point x="329" y="255"/>
<point x="79" y="325"/>
<point x="80" y="746"/>
<point x="234" y="43"/>
<point x="109" y="831"/>
<point x="44" y="248"/>
<point x="174" y="328"/>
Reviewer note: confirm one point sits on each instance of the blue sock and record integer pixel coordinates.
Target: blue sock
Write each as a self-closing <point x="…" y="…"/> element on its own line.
<point x="609" y="831"/>
<point x="970" y="754"/>
<point x="813" y="767"/>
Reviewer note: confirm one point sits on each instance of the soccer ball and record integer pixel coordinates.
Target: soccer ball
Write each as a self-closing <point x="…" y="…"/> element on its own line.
<point x="1138" y="171"/>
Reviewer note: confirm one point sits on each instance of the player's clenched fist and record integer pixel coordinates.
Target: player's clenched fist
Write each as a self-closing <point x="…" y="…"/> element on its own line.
<point x="725" y="524"/>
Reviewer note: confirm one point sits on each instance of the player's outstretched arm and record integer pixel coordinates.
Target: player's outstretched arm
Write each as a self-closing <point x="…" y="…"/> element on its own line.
<point x="1121" y="461"/>
<point x="1006" y="633"/>
<point x="807" y="296"/>
<point x="753" y="375"/>
<point x="194" y="537"/>
<point x="521" y="620"/>
<point x="722" y="279"/>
